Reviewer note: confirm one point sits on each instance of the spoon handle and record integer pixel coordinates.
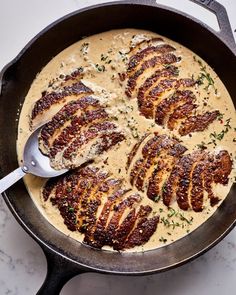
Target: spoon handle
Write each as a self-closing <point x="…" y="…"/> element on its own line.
<point x="10" y="179"/>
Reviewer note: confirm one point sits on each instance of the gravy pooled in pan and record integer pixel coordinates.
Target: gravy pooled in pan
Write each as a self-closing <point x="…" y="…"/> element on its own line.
<point x="147" y="130"/>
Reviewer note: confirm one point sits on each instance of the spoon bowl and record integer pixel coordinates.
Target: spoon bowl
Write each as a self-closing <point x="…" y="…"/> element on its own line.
<point x="34" y="162"/>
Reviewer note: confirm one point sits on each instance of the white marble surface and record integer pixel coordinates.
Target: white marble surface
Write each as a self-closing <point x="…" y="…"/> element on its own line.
<point x="22" y="263"/>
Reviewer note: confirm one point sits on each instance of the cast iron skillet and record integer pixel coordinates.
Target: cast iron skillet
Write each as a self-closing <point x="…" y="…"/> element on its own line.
<point x="65" y="256"/>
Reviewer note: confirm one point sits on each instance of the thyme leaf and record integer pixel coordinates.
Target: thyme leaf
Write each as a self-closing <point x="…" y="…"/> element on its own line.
<point x="163" y="240"/>
<point x="84" y="48"/>
<point x="220" y="136"/>
<point x="205" y="76"/>
<point x="100" y="68"/>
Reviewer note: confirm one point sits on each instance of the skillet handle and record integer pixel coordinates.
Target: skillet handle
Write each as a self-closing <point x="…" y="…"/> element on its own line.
<point x="223" y="20"/>
<point x="225" y="33"/>
<point x="59" y="272"/>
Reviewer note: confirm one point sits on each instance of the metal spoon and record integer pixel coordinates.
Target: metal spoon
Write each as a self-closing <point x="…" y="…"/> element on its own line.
<point x="34" y="162"/>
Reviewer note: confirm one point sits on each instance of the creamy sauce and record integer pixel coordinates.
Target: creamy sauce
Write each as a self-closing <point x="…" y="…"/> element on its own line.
<point x="103" y="57"/>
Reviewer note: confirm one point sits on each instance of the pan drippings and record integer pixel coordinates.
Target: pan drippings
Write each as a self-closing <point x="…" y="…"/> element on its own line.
<point x="148" y="130"/>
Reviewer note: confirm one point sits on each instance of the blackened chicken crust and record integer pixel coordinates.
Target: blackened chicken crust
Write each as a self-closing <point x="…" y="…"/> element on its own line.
<point x="137" y="58"/>
<point x="169" y="105"/>
<point x="143" y="44"/>
<point x="100" y="207"/>
<point x="166" y="171"/>
<point x="198" y="123"/>
<point x="146" y="106"/>
<point x="80" y="131"/>
<point x="94" y="131"/>
<point x="68" y="112"/>
<point x="152" y="78"/>
<point x="158" y="155"/>
<point x="68" y="93"/>
<point x="153" y="63"/>
<point x="69" y="133"/>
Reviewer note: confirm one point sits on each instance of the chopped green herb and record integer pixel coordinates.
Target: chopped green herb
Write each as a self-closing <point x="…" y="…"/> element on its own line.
<point x="189" y="221"/>
<point x="100" y="68"/>
<point x="204" y="75"/>
<point x="220" y="116"/>
<point x="171" y="213"/>
<point x="165" y="221"/>
<point x="123" y="56"/>
<point x="71" y="209"/>
<point x="84" y="226"/>
<point x="171" y="223"/>
<point x="163" y="240"/>
<point x="174" y="224"/>
<point x="200" y="79"/>
<point x="157" y="198"/>
<point x="84" y="48"/>
<point x="220" y="136"/>
<point x="227" y="124"/>
<point x="164" y="187"/>
<point x="105" y="59"/>
<point x="201" y="145"/>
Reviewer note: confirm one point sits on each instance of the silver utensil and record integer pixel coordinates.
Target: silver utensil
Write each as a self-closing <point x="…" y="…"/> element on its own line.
<point x="34" y="162"/>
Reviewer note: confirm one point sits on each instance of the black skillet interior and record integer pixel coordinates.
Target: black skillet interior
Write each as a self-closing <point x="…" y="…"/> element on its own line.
<point x="16" y="82"/>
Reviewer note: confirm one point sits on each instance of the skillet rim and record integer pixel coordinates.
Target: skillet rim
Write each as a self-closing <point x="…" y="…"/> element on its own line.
<point x="134" y="2"/>
<point x="45" y="247"/>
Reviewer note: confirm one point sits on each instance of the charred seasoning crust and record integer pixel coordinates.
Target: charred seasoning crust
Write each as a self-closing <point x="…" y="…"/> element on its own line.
<point x="48" y="99"/>
<point x="198" y="122"/>
<point x="122" y="223"/>
<point x="74" y="128"/>
<point x="177" y="175"/>
<point x="175" y="111"/>
<point x="65" y="114"/>
<point x="95" y="130"/>
<point x="151" y="63"/>
<point x="136" y="59"/>
<point x="70" y="132"/>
